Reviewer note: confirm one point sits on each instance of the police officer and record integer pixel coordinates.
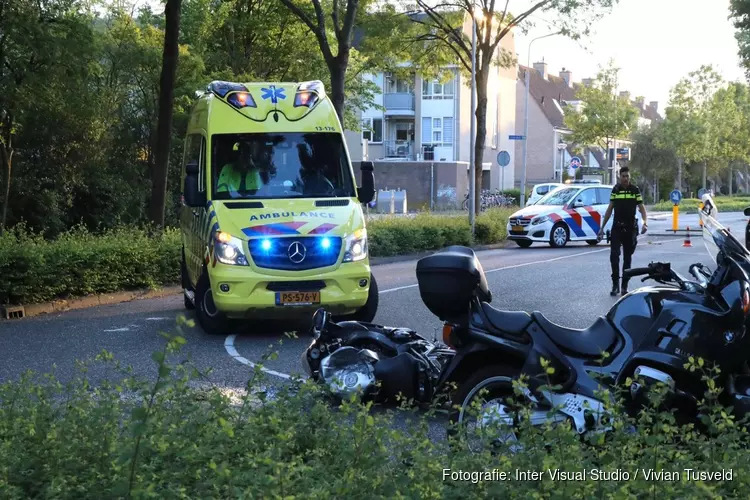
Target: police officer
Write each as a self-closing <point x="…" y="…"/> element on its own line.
<point x="624" y="199"/>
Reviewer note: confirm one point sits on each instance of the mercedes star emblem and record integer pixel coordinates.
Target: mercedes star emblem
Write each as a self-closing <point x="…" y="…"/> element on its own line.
<point x="297" y="252"/>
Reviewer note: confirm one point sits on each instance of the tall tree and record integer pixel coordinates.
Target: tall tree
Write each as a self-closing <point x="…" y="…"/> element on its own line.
<point x="444" y="22"/>
<point x="343" y="14"/>
<point x="166" y="101"/>
<point x="694" y="123"/>
<point x="739" y="12"/>
<point x="37" y="40"/>
<point x="605" y="116"/>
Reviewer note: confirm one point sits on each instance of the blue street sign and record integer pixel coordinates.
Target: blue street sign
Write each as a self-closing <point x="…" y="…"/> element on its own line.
<point x="516" y="137"/>
<point x="503" y="158"/>
<point x="675" y="196"/>
<point x="575" y="162"/>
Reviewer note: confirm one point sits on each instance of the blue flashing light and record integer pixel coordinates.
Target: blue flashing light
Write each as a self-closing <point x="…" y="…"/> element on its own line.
<point x="326" y="243"/>
<point x="266" y="244"/>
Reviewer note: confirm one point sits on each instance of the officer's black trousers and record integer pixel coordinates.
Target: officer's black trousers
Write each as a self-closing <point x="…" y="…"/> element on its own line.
<point x="628" y="239"/>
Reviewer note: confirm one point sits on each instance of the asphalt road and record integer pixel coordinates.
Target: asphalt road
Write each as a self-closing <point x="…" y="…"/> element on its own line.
<point x="570" y="285"/>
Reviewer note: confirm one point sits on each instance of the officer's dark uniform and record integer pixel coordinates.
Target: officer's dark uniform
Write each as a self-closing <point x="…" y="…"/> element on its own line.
<point x="624" y="230"/>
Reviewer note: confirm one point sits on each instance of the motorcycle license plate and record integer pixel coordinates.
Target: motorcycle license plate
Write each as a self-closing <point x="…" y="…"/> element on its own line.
<point x="516" y="228"/>
<point x="297" y="298"/>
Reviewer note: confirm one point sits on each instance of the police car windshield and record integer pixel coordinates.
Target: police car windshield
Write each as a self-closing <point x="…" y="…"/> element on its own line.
<point x="279" y="165"/>
<point x="560" y="196"/>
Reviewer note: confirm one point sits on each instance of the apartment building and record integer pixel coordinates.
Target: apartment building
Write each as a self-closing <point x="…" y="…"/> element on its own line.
<point x="425" y="120"/>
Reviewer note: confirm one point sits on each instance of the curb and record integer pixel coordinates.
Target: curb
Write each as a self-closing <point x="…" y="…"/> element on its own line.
<point x="120" y="297"/>
<point x="97" y="300"/>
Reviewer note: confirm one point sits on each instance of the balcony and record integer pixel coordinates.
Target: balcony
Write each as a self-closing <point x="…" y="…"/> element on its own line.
<point x="399" y="150"/>
<point x="399" y="103"/>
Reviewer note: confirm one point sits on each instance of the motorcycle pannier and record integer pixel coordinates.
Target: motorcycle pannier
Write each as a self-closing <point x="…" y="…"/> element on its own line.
<point x="449" y="279"/>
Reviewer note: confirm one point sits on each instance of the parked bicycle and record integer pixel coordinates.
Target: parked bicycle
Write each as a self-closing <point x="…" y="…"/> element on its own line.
<point x="491" y="199"/>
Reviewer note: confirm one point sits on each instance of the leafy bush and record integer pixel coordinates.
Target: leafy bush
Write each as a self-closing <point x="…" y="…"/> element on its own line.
<point x="402" y="235"/>
<point x="80" y="263"/>
<point x="690" y="205"/>
<point x="170" y="439"/>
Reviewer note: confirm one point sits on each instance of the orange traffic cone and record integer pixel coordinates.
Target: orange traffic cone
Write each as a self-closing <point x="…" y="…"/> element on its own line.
<point x="687" y="239"/>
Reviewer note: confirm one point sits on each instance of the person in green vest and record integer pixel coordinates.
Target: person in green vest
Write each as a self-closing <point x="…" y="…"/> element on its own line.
<point x="242" y="176"/>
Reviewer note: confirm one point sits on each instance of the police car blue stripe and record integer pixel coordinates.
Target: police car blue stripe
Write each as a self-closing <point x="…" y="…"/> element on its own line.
<point x="591" y="222"/>
<point x="572" y="224"/>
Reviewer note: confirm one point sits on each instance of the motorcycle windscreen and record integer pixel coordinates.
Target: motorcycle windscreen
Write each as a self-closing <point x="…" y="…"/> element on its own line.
<point x="716" y="237"/>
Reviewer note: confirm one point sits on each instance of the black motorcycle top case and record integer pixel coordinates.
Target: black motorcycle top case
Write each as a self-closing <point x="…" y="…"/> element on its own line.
<point x="449" y="280"/>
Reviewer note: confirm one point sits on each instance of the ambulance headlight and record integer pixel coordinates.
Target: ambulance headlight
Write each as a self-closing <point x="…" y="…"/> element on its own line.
<point x="228" y="250"/>
<point x="355" y="246"/>
<point x="539" y="220"/>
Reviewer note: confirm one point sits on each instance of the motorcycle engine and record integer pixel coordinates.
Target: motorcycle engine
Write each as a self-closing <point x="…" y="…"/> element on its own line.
<point x="349" y="370"/>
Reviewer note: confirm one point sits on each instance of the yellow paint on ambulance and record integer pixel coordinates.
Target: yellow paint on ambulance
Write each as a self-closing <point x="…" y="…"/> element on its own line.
<point x="299" y="241"/>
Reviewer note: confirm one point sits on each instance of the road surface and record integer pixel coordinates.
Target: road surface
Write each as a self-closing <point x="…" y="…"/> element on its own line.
<point x="570" y="285"/>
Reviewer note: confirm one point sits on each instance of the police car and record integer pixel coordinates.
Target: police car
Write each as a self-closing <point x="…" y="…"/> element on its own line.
<point x="571" y="213"/>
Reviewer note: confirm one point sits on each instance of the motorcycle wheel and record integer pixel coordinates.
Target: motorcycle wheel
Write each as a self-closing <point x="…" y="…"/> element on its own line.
<point x="498" y="382"/>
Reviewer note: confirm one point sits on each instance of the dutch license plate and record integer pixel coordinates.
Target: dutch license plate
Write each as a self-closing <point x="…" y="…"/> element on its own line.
<point x="297" y="298"/>
<point x="516" y="228"/>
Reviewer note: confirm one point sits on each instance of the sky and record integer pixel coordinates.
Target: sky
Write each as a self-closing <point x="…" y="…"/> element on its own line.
<point x="653" y="42"/>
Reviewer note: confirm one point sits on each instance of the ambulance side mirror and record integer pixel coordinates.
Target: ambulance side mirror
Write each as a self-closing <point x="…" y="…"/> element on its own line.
<point x="193" y="197"/>
<point x="366" y="192"/>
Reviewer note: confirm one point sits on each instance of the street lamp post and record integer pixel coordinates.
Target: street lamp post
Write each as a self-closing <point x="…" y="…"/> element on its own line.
<point x="526" y="118"/>
<point x="561" y="148"/>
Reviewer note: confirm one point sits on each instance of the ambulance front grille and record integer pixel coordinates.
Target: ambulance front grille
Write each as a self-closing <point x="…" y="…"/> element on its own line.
<point x="284" y="255"/>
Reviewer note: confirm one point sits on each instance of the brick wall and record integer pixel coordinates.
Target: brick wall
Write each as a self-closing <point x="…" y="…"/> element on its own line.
<point x="447" y="189"/>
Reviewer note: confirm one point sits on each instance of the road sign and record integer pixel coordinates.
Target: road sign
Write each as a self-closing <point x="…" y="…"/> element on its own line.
<point x="503" y="158"/>
<point x="575" y="162"/>
<point x="516" y="137"/>
<point x="675" y="196"/>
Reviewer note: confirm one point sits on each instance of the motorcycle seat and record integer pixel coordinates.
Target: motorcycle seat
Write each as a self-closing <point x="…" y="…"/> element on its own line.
<point x="513" y="322"/>
<point x="589" y="342"/>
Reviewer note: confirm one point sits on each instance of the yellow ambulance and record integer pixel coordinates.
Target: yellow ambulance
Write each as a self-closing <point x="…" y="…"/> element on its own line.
<point x="272" y="221"/>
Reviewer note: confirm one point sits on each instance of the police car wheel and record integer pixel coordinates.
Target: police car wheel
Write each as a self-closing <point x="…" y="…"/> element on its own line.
<point x="559" y="235"/>
<point x="211" y="320"/>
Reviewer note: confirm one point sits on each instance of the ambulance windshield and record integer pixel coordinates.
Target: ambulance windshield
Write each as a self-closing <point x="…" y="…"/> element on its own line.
<point x="280" y="165"/>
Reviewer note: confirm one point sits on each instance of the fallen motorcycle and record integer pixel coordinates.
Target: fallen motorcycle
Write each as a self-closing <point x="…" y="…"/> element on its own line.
<point x="378" y="362"/>
<point x="648" y="335"/>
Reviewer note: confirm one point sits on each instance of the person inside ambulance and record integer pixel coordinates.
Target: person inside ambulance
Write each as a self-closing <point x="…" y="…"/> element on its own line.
<point x="312" y="180"/>
<point x="247" y="173"/>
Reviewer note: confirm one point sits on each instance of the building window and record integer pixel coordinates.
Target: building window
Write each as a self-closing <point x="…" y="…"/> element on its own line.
<point x="426" y="130"/>
<point x="372" y="130"/>
<point x="436" y="123"/>
<point x="437" y="137"/>
<point x="433" y="89"/>
<point x="448" y="130"/>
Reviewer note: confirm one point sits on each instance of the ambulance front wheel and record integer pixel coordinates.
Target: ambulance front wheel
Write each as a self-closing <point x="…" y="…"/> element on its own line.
<point x="211" y="320"/>
<point x="367" y="312"/>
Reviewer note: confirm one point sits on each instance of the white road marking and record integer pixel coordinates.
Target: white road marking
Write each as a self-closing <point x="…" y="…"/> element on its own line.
<point x="229" y="346"/>
<point x="118" y="330"/>
<point x="229" y="341"/>
<point x="157" y="319"/>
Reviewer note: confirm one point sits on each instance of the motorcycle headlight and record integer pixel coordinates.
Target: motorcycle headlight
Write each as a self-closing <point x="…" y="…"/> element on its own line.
<point x="355" y="246"/>
<point x="539" y="220"/>
<point x="228" y="250"/>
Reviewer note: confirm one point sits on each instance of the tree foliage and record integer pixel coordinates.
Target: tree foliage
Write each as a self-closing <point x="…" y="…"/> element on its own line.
<point x="604" y="115"/>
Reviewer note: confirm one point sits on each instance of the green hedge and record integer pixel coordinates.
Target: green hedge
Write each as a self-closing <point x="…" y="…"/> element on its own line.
<point x="80" y="263"/>
<point x="690" y="205"/>
<point x="167" y="440"/>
